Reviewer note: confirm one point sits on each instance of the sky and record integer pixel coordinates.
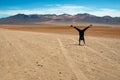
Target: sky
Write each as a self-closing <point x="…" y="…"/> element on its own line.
<point x="93" y="7"/>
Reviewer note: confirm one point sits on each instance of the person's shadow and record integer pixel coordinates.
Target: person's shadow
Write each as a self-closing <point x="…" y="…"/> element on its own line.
<point x="77" y="45"/>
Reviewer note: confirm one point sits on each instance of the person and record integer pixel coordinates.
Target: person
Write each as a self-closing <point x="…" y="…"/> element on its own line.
<point x="81" y="32"/>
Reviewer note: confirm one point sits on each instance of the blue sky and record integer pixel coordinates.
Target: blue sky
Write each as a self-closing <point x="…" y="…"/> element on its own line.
<point x="94" y="7"/>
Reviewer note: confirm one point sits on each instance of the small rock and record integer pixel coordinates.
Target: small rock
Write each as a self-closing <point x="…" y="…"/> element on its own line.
<point x="25" y="72"/>
<point x="60" y="73"/>
<point x="101" y="51"/>
<point x="37" y="62"/>
<point x="94" y="63"/>
<point x="93" y="69"/>
<point x="40" y="65"/>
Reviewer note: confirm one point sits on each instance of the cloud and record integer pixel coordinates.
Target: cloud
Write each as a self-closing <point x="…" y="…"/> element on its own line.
<point x="105" y="12"/>
<point x="61" y="9"/>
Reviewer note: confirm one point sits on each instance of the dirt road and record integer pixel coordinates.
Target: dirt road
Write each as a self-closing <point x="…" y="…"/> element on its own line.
<point x="43" y="56"/>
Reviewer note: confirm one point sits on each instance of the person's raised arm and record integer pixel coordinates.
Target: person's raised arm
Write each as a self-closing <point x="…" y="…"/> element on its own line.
<point x="75" y="28"/>
<point x="87" y="27"/>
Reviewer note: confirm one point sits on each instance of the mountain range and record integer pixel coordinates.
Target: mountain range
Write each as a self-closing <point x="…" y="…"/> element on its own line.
<point x="63" y="18"/>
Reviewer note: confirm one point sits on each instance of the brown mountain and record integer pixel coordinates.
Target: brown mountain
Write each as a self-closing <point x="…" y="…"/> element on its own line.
<point x="79" y="18"/>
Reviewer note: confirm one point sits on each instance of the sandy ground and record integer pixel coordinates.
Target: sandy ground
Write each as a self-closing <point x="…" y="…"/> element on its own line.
<point x="47" y="56"/>
<point x="101" y="31"/>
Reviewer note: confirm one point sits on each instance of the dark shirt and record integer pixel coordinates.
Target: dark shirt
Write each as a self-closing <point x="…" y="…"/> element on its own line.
<point x="81" y="32"/>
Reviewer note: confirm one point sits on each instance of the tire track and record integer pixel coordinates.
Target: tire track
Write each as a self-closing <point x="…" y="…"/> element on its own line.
<point x="105" y="46"/>
<point x="79" y="74"/>
<point x="16" y="55"/>
<point x="94" y="51"/>
<point x="103" y="70"/>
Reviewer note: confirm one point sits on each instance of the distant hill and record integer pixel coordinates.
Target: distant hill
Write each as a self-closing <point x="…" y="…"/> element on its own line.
<point x="63" y="18"/>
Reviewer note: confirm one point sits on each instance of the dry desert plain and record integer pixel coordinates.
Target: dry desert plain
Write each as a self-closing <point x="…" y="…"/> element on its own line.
<point x="53" y="53"/>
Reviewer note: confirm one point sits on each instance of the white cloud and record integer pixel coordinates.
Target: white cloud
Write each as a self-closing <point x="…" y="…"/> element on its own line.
<point x="60" y="9"/>
<point x="105" y="11"/>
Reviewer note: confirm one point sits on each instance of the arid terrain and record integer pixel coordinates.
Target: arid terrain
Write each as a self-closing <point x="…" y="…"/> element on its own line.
<point x="53" y="53"/>
<point x="101" y="31"/>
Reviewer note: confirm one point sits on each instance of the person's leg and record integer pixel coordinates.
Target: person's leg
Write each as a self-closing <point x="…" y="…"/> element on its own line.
<point x="79" y="41"/>
<point x="84" y="41"/>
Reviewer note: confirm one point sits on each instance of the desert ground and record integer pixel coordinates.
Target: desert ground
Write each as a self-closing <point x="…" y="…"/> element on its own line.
<point x="53" y="53"/>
